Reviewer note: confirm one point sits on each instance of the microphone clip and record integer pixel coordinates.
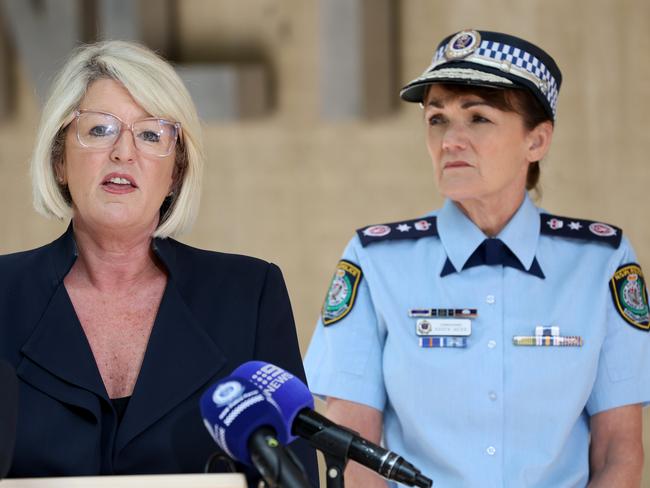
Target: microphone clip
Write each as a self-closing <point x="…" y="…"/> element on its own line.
<point x="334" y="443"/>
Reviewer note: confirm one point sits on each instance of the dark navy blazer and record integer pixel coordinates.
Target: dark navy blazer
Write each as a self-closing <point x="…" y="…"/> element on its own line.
<point x="217" y="311"/>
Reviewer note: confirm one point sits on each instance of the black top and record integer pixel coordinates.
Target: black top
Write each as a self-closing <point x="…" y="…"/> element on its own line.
<point x="217" y="311"/>
<point x="119" y="405"/>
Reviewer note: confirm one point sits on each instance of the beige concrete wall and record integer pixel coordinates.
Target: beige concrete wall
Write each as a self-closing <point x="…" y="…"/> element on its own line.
<point x="291" y="188"/>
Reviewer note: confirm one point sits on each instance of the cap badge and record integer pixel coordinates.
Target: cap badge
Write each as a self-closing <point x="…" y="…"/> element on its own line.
<point x="462" y="44"/>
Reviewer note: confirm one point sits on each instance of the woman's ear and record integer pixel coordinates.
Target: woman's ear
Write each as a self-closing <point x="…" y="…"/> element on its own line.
<point x="59" y="172"/>
<point x="539" y="141"/>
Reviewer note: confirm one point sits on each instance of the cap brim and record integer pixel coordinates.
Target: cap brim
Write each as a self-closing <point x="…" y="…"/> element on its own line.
<point x="414" y="91"/>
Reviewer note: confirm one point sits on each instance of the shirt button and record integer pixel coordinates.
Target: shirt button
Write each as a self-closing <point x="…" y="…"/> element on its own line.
<point x="492" y="395"/>
<point x="490" y="299"/>
<point x="491" y="451"/>
<point x="492" y="344"/>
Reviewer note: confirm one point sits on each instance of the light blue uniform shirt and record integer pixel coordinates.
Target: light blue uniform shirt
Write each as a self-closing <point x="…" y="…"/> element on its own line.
<point x="491" y="414"/>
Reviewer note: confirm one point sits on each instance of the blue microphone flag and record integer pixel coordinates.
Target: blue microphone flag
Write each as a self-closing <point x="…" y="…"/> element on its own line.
<point x="255" y="395"/>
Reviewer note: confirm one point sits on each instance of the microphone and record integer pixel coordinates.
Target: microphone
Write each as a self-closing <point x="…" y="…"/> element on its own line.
<point x="249" y="426"/>
<point x="8" y="415"/>
<point x="284" y="389"/>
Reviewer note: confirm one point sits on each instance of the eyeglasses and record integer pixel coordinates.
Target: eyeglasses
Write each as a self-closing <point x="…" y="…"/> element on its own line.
<point x="152" y="136"/>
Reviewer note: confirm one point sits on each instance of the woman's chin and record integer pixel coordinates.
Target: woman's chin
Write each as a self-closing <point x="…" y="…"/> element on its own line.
<point x="458" y="191"/>
<point x="116" y="221"/>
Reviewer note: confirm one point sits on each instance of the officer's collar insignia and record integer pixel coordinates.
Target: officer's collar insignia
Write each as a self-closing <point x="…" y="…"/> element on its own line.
<point x="342" y="292"/>
<point x="630" y="295"/>
<point x="406" y="229"/>
<point x="553" y="225"/>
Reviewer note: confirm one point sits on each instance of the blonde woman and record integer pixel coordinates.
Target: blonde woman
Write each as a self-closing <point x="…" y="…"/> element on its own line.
<point x="115" y="328"/>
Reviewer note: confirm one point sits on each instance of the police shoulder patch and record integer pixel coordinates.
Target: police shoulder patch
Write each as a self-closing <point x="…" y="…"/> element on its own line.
<point x="406" y="229"/>
<point x="590" y="230"/>
<point x="630" y="295"/>
<point x="342" y="292"/>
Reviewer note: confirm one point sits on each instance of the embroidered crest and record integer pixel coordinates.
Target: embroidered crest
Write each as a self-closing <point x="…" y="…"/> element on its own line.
<point x="462" y="44"/>
<point x="376" y="231"/>
<point x="630" y="295"/>
<point x="407" y="229"/>
<point x="342" y="292"/>
<point x="553" y="225"/>
<point x="601" y="229"/>
<point x="422" y="225"/>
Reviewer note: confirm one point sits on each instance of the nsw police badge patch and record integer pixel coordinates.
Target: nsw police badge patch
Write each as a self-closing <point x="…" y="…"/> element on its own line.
<point x="342" y="292"/>
<point x="630" y="295"/>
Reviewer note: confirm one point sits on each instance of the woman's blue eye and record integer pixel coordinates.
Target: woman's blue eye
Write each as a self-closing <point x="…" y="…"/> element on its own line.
<point x="101" y="130"/>
<point x="436" y="119"/>
<point x="149" y="136"/>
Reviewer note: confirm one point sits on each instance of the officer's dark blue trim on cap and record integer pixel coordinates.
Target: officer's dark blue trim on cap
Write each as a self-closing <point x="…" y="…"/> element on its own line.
<point x="487" y="58"/>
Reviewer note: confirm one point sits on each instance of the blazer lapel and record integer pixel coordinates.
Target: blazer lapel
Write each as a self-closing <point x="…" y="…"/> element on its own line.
<point x="180" y="359"/>
<point x="58" y="360"/>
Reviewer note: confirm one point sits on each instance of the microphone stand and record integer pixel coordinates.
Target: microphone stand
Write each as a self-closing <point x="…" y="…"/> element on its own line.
<point x="335" y="445"/>
<point x="274" y="463"/>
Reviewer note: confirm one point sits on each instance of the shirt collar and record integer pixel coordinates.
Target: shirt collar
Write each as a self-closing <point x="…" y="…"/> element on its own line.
<point x="521" y="234"/>
<point x="460" y="236"/>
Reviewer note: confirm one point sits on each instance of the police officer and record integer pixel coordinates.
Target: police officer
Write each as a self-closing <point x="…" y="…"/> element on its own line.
<point x="488" y="342"/>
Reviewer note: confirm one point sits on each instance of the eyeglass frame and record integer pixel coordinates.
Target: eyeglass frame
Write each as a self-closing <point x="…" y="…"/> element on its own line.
<point x="177" y="125"/>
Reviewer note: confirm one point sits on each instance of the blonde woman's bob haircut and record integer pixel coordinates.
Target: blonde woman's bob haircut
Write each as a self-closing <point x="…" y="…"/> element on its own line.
<point x="156" y="87"/>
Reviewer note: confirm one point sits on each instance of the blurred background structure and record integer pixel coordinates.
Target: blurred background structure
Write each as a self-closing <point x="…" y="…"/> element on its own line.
<point x="306" y="137"/>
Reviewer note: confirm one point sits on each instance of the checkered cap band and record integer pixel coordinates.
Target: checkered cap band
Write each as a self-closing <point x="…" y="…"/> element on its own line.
<point x="501" y="52"/>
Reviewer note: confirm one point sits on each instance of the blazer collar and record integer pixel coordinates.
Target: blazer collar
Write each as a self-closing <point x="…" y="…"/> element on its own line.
<point x="58" y="359"/>
<point x="180" y="358"/>
<point x="63" y="254"/>
<point x="58" y="356"/>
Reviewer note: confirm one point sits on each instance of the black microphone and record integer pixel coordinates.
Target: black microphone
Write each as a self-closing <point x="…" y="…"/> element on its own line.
<point x="299" y="419"/>
<point x="250" y="425"/>
<point x="328" y="437"/>
<point x="8" y="415"/>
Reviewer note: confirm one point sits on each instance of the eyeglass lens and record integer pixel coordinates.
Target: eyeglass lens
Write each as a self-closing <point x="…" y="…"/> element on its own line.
<point x="151" y="136"/>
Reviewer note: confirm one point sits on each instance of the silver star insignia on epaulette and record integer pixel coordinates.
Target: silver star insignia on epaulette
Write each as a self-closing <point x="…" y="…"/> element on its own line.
<point x="575" y="225"/>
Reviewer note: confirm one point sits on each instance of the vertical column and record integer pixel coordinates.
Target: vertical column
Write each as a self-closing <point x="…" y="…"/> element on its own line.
<point x="6" y="75"/>
<point x="147" y="21"/>
<point x="44" y="32"/>
<point x="222" y="92"/>
<point x="357" y="58"/>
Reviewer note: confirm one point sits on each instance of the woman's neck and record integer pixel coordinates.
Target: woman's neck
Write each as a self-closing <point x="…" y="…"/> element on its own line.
<point x="110" y="261"/>
<point x="491" y="215"/>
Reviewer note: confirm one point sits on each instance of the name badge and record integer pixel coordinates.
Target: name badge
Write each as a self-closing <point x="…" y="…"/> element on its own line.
<point x="444" y="327"/>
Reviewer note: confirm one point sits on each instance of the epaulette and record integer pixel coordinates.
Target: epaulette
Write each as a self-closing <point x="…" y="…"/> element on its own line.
<point x="406" y="229"/>
<point x="554" y="225"/>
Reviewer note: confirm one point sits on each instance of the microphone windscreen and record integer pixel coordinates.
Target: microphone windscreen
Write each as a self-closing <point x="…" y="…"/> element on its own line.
<point x="282" y="388"/>
<point x="234" y="408"/>
<point x="8" y="415"/>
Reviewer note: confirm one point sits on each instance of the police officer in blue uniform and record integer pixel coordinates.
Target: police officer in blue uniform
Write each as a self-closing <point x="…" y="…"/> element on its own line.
<point x="489" y="342"/>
